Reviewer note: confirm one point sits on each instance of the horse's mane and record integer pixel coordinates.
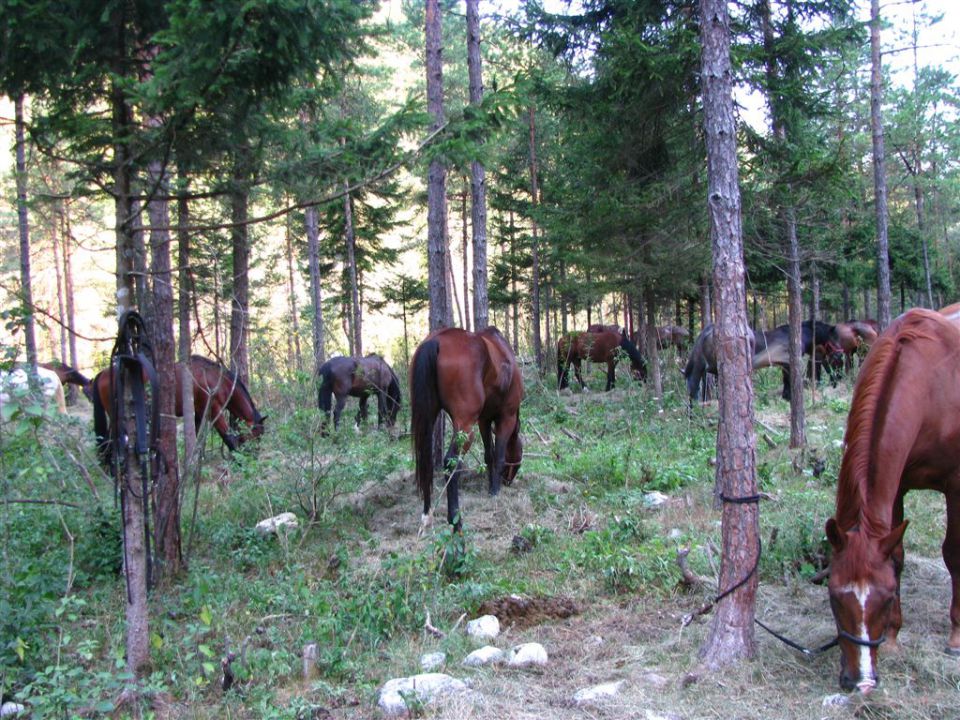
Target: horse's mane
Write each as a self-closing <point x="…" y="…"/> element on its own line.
<point x="866" y="420"/>
<point x="632" y="351"/>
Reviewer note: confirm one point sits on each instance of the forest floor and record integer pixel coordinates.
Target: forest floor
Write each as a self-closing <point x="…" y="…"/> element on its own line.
<point x="360" y="583"/>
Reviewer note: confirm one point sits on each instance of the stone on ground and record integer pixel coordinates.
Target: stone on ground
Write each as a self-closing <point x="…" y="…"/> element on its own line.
<point x="285" y="520"/>
<point x="597" y="693"/>
<point x="431" y="661"/>
<point x="485" y="627"/>
<point x="487" y="655"/>
<point x="423" y="689"/>
<point x="527" y="654"/>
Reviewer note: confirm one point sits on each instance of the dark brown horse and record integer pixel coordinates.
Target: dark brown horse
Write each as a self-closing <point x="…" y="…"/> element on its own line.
<point x="359" y="378"/>
<point x="599" y="347"/>
<point x="216" y="391"/>
<point x="70" y="375"/>
<point x="703" y="360"/>
<point x="475" y="378"/>
<point x="903" y="433"/>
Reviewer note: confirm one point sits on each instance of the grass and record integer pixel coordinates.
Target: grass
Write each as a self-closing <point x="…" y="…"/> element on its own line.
<point x="355" y="580"/>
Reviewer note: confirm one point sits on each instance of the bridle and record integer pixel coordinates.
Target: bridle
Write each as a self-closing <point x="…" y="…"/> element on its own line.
<point x="859" y="640"/>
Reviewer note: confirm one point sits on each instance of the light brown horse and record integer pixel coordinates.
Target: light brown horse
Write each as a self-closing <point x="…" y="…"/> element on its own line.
<point x="903" y="433"/>
<point x="475" y="378"/>
<point x="673" y="336"/>
<point x="598" y="347"/>
<point x="359" y="377"/>
<point x="70" y="376"/>
<point x="216" y="391"/>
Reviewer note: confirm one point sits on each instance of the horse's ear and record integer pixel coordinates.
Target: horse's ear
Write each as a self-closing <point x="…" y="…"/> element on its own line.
<point x="893" y="539"/>
<point x="835" y="535"/>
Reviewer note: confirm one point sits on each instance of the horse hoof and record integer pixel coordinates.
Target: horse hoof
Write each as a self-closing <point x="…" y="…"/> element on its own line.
<point x="952" y="651"/>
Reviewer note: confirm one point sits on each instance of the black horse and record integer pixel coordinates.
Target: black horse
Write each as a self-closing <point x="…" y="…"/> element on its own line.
<point x="771" y="347"/>
<point x="702" y="360"/>
<point x="820" y="342"/>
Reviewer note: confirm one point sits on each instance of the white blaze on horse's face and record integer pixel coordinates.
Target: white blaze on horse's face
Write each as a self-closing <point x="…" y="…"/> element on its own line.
<point x="868" y="678"/>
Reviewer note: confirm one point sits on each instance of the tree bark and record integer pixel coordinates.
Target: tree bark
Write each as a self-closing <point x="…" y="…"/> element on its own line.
<point x="653" y="351"/>
<point x="66" y="233"/>
<point x="466" y="269"/>
<point x="185" y="335"/>
<point x="292" y="296"/>
<point x="312" y="224"/>
<point x="351" y="238"/>
<point x="478" y="182"/>
<point x="240" y="294"/>
<point x="731" y="634"/>
<point x="23" y="228"/>
<point x="535" y="242"/>
<point x="795" y="318"/>
<point x="167" y="518"/>
<point x="879" y="171"/>
<point x="441" y="313"/>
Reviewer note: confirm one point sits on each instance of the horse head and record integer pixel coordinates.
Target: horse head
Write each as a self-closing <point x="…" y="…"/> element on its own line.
<point x="513" y="455"/>
<point x="863" y="594"/>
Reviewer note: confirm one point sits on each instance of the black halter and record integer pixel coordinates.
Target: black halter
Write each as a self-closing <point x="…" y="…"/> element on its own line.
<point x="860" y="641"/>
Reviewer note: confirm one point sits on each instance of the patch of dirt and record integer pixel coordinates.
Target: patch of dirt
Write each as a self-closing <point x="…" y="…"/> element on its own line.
<point x="520" y="612"/>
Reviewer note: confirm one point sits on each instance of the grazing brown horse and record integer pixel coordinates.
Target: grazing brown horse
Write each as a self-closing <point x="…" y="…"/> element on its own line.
<point x="359" y="378"/>
<point x="903" y="433"/>
<point x="852" y="336"/>
<point x="70" y="375"/>
<point x="475" y="378"/>
<point x="599" y="347"/>
<point x="216" y="391"/>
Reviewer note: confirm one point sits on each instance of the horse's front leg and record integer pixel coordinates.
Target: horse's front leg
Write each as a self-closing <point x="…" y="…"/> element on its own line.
<point x="576" y="371"/>
<point x="502" y="436"/>
<point x="611" y="374"/>
<point x="951" y="558"/>
<point x="452" y="469"/>
<point x="381" y="409"/>
<point x="896" y="615"/>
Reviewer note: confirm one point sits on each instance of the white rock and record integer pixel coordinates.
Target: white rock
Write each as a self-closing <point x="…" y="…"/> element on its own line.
<point x="431" y="661"/>
<point x="424" y="688"/>
<point x="655" y="679"/>
<point x="675" y="533"/>
<point x="654" y="499"/>
<point x="11" y="709"/>
<point x="652" y="715"/>
<point x="590" y="695"/>
<point x="526" y="655"/>
<point x="487" y="655"/>
<point x="836" y="700"/>
<point x="272" y="525"/>
<point x="484" y="627"/>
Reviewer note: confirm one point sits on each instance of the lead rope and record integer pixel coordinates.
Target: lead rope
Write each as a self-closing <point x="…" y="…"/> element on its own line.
<point x="708" y="606"/>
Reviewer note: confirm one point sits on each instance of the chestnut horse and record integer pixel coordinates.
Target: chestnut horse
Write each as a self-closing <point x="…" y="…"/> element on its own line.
<point x="598" y="347"/>
<point x="475" y="378"/>
<point x="359" y="378"/>
<point x="903" y="433"/>
<point x="216" y="390"/>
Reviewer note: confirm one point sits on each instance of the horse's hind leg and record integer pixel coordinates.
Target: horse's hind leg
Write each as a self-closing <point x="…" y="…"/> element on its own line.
<point x="611" y="375"/>
<point x="453" y="468"/>
<point x="338" y="411"/>
<point x="362" y="411"/>
<point x="951" y="558"/>
<point x="576" y="371"/>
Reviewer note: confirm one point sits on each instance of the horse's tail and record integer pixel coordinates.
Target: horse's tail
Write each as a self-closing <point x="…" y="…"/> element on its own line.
<point x="424" y="408"/>
<point x="325" y="393"/>
<point x="101" y="430"/>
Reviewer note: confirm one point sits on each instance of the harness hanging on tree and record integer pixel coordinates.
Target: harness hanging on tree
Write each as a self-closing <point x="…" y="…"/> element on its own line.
<point x="131" y="362"/>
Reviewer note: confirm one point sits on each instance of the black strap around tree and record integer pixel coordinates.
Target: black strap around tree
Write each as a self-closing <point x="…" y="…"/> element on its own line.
<point x="130" y="361"/>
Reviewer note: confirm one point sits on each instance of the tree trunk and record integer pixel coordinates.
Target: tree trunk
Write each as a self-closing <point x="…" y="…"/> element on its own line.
<point x="23" y="227"/>
<point x="452" y="285"/>
<point x="535" y="243"/>
<point x="292" y="293"/>
<point x="513" y="285"/>
<point x="351" y="238"/>
<point x="56" y="241"/>
<point x="879" y="172"/>
<point x="795" y="319"/>
<point x="466" y="270"/>
<point x="478" y="183"/>
<point x="312" y="224"/>
<point x="135" y="550"/>
<point x="441" y="314"/>
<point x="731" y="634"/>
<point x="240" y="295"/>
<point x="706" y="306"/>
<point x="167" y="499"/>
<point x="653" y="354"/>
<point x="184" y="345"/>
